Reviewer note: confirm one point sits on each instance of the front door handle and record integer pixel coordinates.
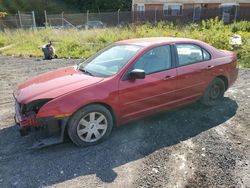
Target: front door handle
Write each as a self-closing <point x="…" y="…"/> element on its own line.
<point x="210" y="67"/>
<point x="168" y="77"/>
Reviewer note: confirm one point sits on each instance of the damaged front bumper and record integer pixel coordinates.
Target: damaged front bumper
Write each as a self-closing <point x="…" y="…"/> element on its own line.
<point x="51" y="130"/>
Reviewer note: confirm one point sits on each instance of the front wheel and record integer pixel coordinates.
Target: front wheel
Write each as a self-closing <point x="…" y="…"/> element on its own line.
<point x="90" y="125"/>
<point x="214" y="92"/>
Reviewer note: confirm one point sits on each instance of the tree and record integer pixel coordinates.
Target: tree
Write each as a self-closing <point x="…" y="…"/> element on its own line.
<point x="55" y="6"/>
<point x="101" y="5"/>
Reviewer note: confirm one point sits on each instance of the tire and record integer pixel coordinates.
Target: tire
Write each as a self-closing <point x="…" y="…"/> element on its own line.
<point x="214" y="92"/>
<point x="90" y="125"/>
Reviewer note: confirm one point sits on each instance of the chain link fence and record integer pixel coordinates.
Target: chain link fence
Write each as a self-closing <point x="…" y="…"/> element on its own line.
<point x="19" y="20"/>
<point x="10" y="22"/>
<point x="79" y="20"/>
<point x="117" y="18"/>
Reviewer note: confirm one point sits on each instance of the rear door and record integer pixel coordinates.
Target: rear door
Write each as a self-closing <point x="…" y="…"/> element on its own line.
<point x="194" y="71"/>
<point x="145" y="96"/>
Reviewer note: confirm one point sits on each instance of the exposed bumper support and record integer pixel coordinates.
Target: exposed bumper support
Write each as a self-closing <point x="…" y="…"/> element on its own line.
<point x="55" y="138"/>
<point x="53" y="128"/>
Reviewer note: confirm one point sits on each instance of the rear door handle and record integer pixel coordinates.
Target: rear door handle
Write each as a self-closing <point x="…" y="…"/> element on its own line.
<point x="210" y="67"/>
<point x="168" y="77"/>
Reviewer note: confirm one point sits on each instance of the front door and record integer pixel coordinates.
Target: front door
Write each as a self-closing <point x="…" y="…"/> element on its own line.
<point x="142" y="97"/>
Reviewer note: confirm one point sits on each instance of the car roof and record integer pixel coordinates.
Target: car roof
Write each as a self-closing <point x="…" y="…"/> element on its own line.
<point x="155" y="40"/>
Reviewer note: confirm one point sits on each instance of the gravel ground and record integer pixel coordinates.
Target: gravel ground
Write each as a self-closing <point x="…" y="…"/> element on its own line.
<point x="194" y="146"/>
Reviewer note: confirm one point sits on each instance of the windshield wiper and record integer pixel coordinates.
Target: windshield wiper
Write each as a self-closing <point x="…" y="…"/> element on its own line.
<point x="86" y="72"/>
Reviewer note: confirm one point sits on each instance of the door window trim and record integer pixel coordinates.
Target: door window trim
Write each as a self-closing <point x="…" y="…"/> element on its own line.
<point x="202" y="49"/>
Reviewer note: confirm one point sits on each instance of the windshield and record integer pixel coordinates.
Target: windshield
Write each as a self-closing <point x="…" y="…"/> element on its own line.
<point x="109" y="61"/>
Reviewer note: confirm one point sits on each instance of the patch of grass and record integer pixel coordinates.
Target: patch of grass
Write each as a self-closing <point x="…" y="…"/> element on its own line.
<point x="84" y="43"/>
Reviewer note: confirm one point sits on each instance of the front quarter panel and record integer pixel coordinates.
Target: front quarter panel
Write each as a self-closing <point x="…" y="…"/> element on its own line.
<point x="103" y="92"/>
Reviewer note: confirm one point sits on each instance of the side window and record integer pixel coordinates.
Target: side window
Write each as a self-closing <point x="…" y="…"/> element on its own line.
<point x="189" y="53"/>
<point x="155" y="60"/>
<point x="206" y="55"/>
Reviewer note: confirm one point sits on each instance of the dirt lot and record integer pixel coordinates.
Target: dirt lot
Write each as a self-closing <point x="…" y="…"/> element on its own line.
<point x="193" y="146"/>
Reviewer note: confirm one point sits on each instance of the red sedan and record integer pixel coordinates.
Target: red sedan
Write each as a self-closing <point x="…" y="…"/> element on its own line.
<point x="128" y="80"/>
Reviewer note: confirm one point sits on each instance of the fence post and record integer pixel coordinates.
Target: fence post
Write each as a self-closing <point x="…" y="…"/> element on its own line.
<point x="134" y="11"/>
<point x="62" y="19"/>
<point x="155" y="15"/>
<point x="20" y="19"/>
<point x="16" y="20"/>
<point x="45" y="17"/>
<point x="118" y="17"/>
<point x="193" y="14"/>
<point x="236" y="12"/>
<point x="34" y="19"/>
<point x="87" y="16"/>
<point x="133" y="16"/>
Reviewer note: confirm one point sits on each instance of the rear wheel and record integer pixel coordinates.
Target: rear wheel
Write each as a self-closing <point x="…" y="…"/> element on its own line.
<point x="214" y="93"/>
<point x="90" y="125"/>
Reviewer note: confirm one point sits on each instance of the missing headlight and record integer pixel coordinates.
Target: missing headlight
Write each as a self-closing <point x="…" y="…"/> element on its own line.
<point x="35" y="106"/>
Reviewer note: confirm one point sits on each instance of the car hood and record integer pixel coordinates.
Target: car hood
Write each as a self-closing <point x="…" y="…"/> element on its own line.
<point x="53" y="84"/>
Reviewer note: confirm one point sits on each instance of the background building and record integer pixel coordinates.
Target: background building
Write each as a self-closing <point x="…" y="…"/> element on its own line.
<point x="175" y="6"/>
<point x="228" y="9"/>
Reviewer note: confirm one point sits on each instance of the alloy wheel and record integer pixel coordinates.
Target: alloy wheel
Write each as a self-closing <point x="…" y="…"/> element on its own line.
<point x="92" y="127"/>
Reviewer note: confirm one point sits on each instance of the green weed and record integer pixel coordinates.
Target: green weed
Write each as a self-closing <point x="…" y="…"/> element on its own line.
<point x="84" y="43"/>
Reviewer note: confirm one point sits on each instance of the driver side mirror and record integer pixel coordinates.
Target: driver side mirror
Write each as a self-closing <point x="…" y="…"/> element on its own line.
<point x="137" y="74"/>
